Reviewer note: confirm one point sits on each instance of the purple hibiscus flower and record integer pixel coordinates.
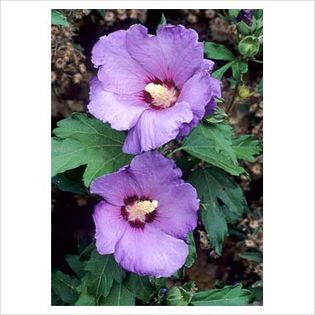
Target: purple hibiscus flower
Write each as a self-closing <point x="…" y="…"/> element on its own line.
<point x="157" y="87"/>
<point x="146" y="213"/>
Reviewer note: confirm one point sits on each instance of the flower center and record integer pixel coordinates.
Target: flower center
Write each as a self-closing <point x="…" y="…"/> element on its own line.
<point x="137" y="212"/>
<point x="163" y="96"/>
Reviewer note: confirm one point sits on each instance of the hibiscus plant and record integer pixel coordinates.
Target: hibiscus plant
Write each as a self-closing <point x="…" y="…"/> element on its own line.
<point x="161" y="161"/>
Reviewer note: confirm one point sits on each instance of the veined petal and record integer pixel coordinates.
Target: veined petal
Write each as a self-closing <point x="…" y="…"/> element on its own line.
<point x="176" y="213"/>
<point x="156" y="127"/>
<point x="197" y="92"/>
<point x="150" y="252"/>
<point x="116" y="187"/>
<point x="154" y="173"/>
<point x="146" y="50"/>
<point x="182" y="52"/>
<point x="121" y="111"/>
<point x="118" y="71"/>
<point x="110" y="226"/>
<point x="215" y="93"/>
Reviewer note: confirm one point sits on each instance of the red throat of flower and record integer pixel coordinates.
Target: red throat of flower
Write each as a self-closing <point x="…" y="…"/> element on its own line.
<point x="161" y="95"/>
<point x="138" y="211"/>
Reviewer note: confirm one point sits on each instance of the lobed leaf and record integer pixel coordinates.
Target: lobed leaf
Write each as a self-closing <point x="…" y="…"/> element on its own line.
<point x="246" y="147"/>
<point x="85" y="141"/>
<point x="180" y="296"/>
<point x="222" y="201"/>
<point x="102" y="271"/>
<point x="227" y="296"/>
<point x="140" y="286"/>
<point x="213" y="144"/>
<point x="119" y="296"/>
<point x="65" y="287"/>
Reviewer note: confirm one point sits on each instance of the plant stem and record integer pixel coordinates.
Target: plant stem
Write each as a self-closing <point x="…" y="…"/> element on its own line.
<point x="232" y="103"/>
<point x="174" y="151"/>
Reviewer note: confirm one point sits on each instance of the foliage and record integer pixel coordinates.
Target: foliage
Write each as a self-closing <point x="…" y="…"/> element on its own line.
<point x="57" y="18"/>
<point x="81" y="140"/>
<point x="213" y="144"/>
<point x="192" y="255"/>
<point x="222" y="201"/>
<point x="218" y="52"/>
<point x="227" y="296"/>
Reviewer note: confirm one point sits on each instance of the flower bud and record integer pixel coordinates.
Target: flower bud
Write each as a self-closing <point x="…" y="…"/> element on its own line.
<point x="245" y="15"/>
<point x="249" y="46"/>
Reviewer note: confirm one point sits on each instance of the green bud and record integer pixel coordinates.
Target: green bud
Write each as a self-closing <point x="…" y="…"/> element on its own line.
<point x="244" y="92"/>
<point x="249" y="46"/>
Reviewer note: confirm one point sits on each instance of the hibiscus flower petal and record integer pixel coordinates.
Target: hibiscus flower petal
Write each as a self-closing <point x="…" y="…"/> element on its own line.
<point x="197" y="92"/>
<point x="118" y="71"/>
<point x="157" y="127"/>
<point x="182" y="52"/>
<point x="154" y="173"/>
<point x="110" y="226"/>
<point x="151" y="252"/>
<point x="216" y="93"/>
<point x="121" y="111"/>
<point x="116" y="187"/>
<point x="146" y="50"/>
<point x="176" y="213"/>
<point x="207" y="65"/>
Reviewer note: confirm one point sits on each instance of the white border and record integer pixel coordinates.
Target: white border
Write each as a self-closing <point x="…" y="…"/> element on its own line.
<point x="288" y="157"/>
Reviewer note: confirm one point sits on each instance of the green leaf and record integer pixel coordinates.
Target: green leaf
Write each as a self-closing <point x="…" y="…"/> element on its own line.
<point x="76" y="264"/>
<point x="249" y="46"/>
<point x="260" y="87"/>
<point x="101" y="12"/>
<point x="222" y="201"/>
<point x="56" y="300"/>
<point x="65" y="287"/>
<point x="215" y="225"/>
<point x="218" y="74"/>
<point x="180" y="296"/>
<point x="243" y="28"/>
<point x="238" y="69"/>
<point x="192" y="254"/>
<point x="65" y="183"/>
<point x="257" y="291"/>
<point x="103" y="270"/>
<point x="246" y="147"/>
<point x="163" y="20"/>
<point x="234" y="12"/>
<point x="253" y="256"/>
<point x="258" y="13"/>
<point x="217" y="117"/>
<point x="228" y="296"/>
<point x="213" y="144"/>
<point x="119" y="296"/>
<point x="159" y="283"/>
<point x="85" y="298"/>
<point x="140" y="286"/>
<point x="57" y="18"/>
<point x="218" y="52"/>
<point x="85" y="141"/>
